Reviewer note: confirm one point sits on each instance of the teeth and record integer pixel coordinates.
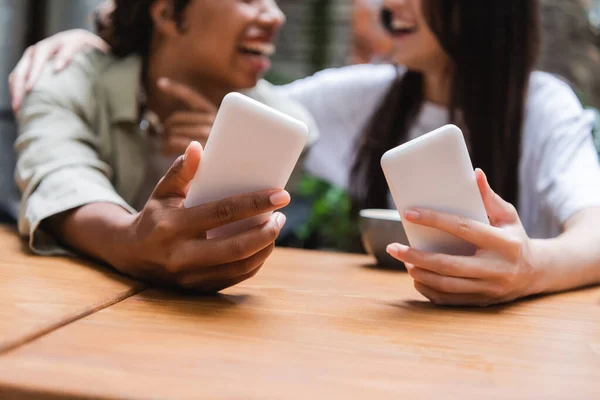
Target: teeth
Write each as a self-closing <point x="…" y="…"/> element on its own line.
<point x="266" y="49"/>
<point x="401" y="25"/>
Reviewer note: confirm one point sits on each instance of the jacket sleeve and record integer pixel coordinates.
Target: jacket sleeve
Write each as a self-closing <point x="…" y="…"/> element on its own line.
<point x="59" y="167"/>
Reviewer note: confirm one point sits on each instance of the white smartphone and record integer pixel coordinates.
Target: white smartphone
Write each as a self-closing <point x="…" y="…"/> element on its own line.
<point x="251" y="147"/>
<point x="435" y="172"/>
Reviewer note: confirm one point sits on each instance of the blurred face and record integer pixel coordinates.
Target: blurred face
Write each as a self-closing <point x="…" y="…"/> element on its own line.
<point x="228" y="42"/>
<point x="415" y="45"/>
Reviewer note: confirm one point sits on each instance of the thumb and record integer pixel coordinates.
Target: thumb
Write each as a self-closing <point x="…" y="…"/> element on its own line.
<point x="177" y="180"/>
<point x="499" y="211"/>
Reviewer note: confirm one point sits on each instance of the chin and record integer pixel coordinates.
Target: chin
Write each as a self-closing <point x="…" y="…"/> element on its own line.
<point x="409" y="64"/>
<point x="403" y="59"/>
<point x="245" y="82"/>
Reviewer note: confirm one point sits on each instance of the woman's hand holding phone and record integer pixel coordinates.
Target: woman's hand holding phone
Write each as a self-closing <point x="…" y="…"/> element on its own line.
<point x="501" y="270"/>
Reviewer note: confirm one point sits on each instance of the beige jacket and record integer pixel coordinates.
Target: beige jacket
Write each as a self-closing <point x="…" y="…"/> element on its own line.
<point x="79" y="140"/>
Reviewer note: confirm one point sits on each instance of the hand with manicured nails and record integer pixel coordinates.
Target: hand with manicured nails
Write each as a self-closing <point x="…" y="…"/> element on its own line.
<point x="61" y="47"/>
<point x="501" y="270"/>
<point x="166" y="243"/>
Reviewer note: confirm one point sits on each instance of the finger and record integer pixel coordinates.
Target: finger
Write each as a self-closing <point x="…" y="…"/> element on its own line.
<point x="499" y="211"/>
<point x="226" y="275"/>
<point x="63" y="57"/>
<point x="199" y="253"/>
<point x="222" y="212"/>
<point x="447" y="299"/>
<point x="189" y="118"/>
<point x="481" y="235"/>
<point x="42" y="55"/>
<point x="15" y="102"/>
<point x="178" y="179"/>
<point x="190" y="97"/>
<point x="448" y="284"/>
<point x="76" y="41"/>
<point x="443" y="264"/>
<point x="18" y="78"/>
<point x="97" y="43"/>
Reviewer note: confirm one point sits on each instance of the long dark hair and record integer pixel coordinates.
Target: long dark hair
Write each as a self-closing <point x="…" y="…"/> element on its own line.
<point x="126" y="25"/>
<point x="493" y="46"/>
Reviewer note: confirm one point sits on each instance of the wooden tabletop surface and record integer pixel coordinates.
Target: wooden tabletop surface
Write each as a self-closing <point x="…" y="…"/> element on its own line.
<point x="315" y="325"/>
<point x="39" y="294"/>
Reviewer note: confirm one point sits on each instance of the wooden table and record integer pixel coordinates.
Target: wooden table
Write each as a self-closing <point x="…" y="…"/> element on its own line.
<point x="315" y="325"/>
<point x="38" y="295"/>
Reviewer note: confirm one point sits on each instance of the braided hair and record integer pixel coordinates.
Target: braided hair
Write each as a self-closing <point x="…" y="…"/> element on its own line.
<point x="126" y="25"/>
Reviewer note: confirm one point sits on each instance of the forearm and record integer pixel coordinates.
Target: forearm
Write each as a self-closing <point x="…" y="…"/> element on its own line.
<point x="571" y="260"/>
<point x="96" y="229"/>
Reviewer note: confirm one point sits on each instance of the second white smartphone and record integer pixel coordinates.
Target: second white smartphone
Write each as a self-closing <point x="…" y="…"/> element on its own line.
<point x="251" y="147"/>
<point x="435" y="172"/>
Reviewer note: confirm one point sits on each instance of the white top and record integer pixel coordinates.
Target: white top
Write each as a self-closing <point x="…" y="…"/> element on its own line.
<point x="559" y="171"/>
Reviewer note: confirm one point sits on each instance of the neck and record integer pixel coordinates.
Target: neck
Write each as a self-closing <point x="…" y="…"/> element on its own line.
<point x="437" y="87"/>
<point x="164" y="104"/>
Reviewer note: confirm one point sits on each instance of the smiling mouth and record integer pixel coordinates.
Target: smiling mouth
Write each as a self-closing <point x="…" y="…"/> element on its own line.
<point x="395" y="26"/>
<point x="258" y="49"/>
<point x="399" y="28"/>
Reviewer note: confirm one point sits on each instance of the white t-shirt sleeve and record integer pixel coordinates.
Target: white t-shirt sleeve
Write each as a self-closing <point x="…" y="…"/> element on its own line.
<point x="566" y="170"/>
<point x="341" y="101"/>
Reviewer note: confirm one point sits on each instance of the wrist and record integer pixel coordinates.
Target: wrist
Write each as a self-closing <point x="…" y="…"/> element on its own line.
<point x="121" y="250"/>
<point x="540" y="255"/>
<point x="99" y="230"/>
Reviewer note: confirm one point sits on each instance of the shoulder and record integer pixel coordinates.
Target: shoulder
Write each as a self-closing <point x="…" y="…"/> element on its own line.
<point x="553" y="111"/>
<point x="550" y="98"/>
<point x="359" y="75"/>
<point x="74" y="85"/>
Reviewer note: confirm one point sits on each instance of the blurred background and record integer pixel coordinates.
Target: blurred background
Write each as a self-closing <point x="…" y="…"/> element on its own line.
<point x="319" y="34"/>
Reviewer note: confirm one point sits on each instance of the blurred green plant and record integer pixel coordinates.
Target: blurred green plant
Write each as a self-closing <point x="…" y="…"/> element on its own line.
<point x="330" y="219"/>
<point x="278" y="78"/>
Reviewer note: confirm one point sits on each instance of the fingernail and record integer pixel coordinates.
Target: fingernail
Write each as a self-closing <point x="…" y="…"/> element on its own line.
<point x="187" y="150"/>
<point x="281" y="218"/>
<point x="395" y="249"/>
<point x="163" y="82"/>
<point x="280" y="198"/>
<point x="412" y="214"/>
